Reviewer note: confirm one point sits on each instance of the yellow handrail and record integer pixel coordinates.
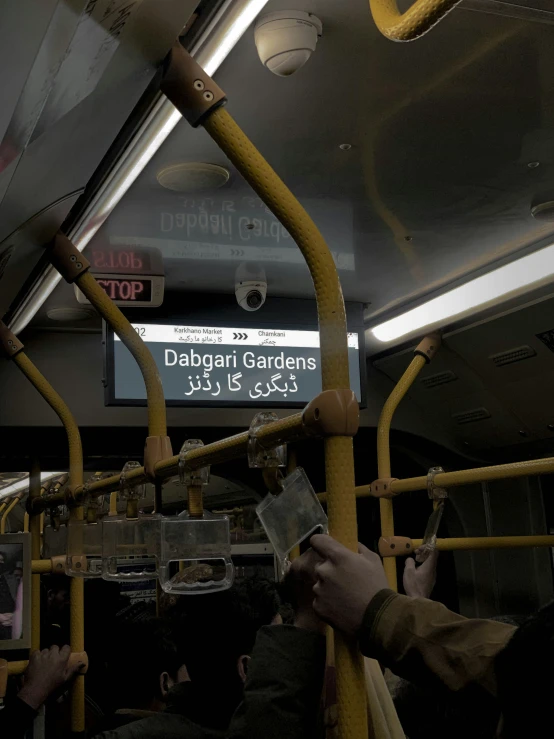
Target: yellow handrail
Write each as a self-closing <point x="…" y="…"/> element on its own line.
<point x="477" y="474"/>
<point x="233" y="447"/>
<point x="339" y="461"/>
<point x="458" y="544"/>
<point x="59" y="406"/>
<point x="35" y="491"/>
<point x="77" y="641"/>
<point x="424" y="353"/>
<point x="157" y="422"/>
<point x="4" y="503"/>
<point x="7" y="512"/>
<point x="411" y="24"/>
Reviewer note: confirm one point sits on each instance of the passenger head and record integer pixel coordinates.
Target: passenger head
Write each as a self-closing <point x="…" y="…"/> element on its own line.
<point x="57" y="594"/>
<point x="149" y="661"/>
<point x="220" y="630"/>
<point x="523" y="675"/>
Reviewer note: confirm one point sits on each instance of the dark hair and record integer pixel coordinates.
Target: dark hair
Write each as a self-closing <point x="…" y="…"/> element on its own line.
<point x="522" y="672"/>
<point x="218" y="628"/>
<point x="143" y="650"/>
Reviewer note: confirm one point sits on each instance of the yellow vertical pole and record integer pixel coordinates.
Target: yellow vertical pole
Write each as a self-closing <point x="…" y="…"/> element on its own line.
<point x="202" y="104"/>
<point x="4" y="503"/>
<point x="424" y="353"/>
<point x="34" y="529"/>
<point x="77" y="641"/>
<point x="339" y="453"/>
<point x="7" y="512"/>
<point x="26" y="523"/>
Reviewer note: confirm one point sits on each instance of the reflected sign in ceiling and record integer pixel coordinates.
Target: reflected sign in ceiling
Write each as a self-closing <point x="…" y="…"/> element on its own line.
<point x="215" y="365"/>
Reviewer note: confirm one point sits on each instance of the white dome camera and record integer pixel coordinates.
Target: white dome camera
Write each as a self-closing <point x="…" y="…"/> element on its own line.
<point x="251" y="294"/>
<point x="286" y="39"/>
<point x="250" y="286"/>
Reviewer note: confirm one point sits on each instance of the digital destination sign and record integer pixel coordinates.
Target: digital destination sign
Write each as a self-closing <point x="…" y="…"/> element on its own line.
<point x="211" y="365"/>
<point x="131" y="290"/>
<point x="130" y="276"/>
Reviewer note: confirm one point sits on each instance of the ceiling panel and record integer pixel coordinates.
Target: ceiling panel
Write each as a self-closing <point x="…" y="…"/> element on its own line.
<point x="437" y="181"/>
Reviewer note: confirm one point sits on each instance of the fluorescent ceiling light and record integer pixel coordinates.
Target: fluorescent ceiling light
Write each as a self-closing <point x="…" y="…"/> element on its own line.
<point x="23" y="484"/>
<point x="210" y="52"/>
<point x="509" y="281"/>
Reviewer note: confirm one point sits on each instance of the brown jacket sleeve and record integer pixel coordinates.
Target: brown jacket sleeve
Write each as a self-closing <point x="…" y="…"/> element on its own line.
<point x="423" y="641"/>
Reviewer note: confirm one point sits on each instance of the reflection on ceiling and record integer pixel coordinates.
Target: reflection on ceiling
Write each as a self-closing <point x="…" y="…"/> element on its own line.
<point x="450" y="145"/>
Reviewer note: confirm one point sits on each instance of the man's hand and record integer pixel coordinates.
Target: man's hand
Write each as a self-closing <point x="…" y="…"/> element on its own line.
<point x="6" y="619"/>
<point x="346" y="583"/>
<point x="301" y="579"/>
<point x="419" y="581"/>
<point x="47" y="671"/>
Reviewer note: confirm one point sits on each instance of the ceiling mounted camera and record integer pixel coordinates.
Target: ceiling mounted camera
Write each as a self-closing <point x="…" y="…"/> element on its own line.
<point x="250" y="286"/>
<point x="286" y="39"/>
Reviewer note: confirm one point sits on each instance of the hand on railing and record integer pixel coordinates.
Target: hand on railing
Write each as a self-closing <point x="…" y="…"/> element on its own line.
<point x="419" y="580"/>
<point x="47" y="671"/>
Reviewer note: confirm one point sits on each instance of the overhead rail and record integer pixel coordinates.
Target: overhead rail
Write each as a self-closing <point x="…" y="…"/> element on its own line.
<point x="414" y="22"/>
<point x="399" y="546"/>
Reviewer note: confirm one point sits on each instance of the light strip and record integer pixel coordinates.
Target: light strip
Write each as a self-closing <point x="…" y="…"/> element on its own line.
<point x="23" y="484"/>
<point x="209" y="52"/>
<point x="509" y="281"/>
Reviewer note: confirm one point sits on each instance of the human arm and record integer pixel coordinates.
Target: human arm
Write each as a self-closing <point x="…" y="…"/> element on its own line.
<point x="417" y="639"/>
<point x="46" y="672"/>
<point x="16" y="718"/>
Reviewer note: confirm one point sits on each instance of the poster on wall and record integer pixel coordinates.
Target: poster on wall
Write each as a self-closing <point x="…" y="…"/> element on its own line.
<point x="15" y="591"/>
<point x="226" y="366"/>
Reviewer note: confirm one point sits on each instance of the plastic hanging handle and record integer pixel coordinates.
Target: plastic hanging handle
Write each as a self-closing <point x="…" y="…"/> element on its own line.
<point x="182" y="587"/>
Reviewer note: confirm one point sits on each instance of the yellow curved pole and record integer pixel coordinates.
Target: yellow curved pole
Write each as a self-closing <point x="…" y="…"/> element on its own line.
<point x="35" y="491"/>
<point x="77" y="641"/>
<point x="414" y="22"/>
<point x="75" y="481"/>
<point x="157" y="423"/>
<point x="4" y="504"/>
<point x="59" y="406"/>
<point x="424" y="352"/>
<point x="7" y="512"/>
<point x="339" y="459"/>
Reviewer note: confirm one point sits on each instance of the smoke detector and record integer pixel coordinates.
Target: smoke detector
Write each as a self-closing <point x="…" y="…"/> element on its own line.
<point x="192" y="176"/>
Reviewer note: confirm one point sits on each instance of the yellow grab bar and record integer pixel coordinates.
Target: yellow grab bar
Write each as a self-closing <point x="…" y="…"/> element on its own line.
<point x="411" y="24"/>
<point x="339" y="461"/>
<point x="12" y="349"/>
<point x="77" y="641"/>
<point x="7" y="512"/>
<point x="157" y="423"/>
<point x="456" y="544"/>
<point x="425" y="351"/>
<point x="199" y="99"/>
<point x="291" y="428"/>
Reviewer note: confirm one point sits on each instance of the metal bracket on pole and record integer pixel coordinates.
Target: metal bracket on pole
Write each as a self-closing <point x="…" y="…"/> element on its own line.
<point x="438" y="496"/>
<point x="382" y="488"/>
<point x="66" y="258"/>
<point x="190" y="89"/>
<point x="9" y="343"/>
<point x="393" y="546"/>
